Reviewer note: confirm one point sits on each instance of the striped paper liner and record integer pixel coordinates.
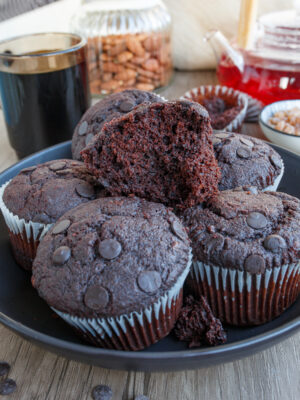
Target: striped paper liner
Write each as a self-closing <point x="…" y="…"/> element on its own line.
<point x="240" y="298"/>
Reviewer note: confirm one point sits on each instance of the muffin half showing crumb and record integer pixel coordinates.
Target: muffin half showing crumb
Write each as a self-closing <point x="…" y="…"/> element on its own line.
<point x="161" y="152"/>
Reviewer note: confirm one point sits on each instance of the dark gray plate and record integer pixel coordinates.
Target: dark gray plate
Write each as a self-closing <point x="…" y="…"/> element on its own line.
<point x="25" y="313"/>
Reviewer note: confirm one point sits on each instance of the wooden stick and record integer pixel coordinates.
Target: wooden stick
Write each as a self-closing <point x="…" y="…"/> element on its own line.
<point x="248" y="13"/>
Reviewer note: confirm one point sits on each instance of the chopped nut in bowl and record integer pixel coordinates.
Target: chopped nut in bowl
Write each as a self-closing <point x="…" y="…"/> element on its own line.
<point x="280" y="122"/>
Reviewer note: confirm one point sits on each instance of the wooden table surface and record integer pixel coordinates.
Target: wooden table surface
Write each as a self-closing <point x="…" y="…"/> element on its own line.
<point x="270" y="375"/>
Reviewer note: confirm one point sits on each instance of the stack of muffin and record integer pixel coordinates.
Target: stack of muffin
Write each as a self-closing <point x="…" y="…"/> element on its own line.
<point x="110" y="240"/>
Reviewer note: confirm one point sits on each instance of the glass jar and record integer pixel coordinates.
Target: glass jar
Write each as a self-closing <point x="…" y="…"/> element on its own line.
<point x="270" y="69"/>
<point x="129" y="44"/>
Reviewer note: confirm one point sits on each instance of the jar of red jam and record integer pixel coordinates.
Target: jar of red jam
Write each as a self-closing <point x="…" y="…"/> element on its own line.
<point x="270" y="69"/>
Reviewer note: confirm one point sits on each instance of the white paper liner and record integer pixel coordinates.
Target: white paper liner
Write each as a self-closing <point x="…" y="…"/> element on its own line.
<point x="28" y="230"/>
<point x="112" y="326"/>
<point x="276" y="182"/>
<point x="242" y="100"/>
<point x="240" y="298"/>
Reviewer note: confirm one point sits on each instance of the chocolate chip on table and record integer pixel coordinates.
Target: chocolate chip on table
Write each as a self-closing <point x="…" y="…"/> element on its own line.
<point x="274" y="243"/>
<point x="255" y="264"/>
<point x="102" y="392"/>
<point x="61" y="226"/>
<point x="56" y="166"/>
<point x="61" y="255"/>
<point x="7" y="387"/>
<point x="85" y="189"/>
<point x="89" y="138"/>
<point x="243" y="152"/>
<point x="149" y="281"/>
<point x="178" y="229"/>
<point x="83" y="128"/>
<point x="109" y="249"/>
<point x="4" y="368"/>
<point x="246" y="142"/>
<point x="126" y="106"/>
<point x="96" y="297"/>
<point x="141" y="397"/>
<point x="256" y="220"/>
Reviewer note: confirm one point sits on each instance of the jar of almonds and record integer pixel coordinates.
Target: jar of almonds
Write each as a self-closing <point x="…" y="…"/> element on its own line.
<point x="129" y="44"/>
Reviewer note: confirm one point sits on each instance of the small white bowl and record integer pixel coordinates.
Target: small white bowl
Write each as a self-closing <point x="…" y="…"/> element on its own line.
<point x="290" y="142"/>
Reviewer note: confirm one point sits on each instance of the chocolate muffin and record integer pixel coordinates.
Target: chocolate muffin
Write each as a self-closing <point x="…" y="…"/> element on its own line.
<point x="161" y="152"/>
<point x="246" y="252"/>
<point x="114" y="269"/>
<point x="246" y="161"/>
<point x="34" y="199"/>
<point x="105" y="110"/>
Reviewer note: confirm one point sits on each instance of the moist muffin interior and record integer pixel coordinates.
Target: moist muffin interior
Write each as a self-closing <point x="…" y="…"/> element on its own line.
<point x="161" y="152"/>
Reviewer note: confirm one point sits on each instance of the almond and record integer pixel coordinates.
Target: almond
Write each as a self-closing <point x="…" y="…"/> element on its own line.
<point x="135" y="46"/>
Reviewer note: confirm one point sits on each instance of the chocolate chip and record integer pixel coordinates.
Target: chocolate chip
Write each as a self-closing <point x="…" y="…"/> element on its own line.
<point x="8" y="386"/>
<point x="29" y="169"/>
<point x="96" y="297"/>
<point x="178" y="229"/>
<point x="243" y="152"/>
<point x="215" y="141"/>
<point x="102" y="392"/>
<point x="4" y="368"/>
<point x="83" y="128"/>
<point x="109" y="249"/>
<point x="222" y="135"/>
<point x="246" y="142"/>
<point x="149" y="281"/>
<point x="57" y="165"/>
<point x="276" y="161"/>
<point x="126" y="106"/>
<point x="85" y="189"/>
<point x="41" y="218"/>
<point x="61" y="226"/>
<point x="141" y="397"/>
<point x="255" y="264"/>
<point x="274" y="243"/>
<point x="61" y="255"/>
<point x="89" y="138"/>
<point x="256" y="220"/>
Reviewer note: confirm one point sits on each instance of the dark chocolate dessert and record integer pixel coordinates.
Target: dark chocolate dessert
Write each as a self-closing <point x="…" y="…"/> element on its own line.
<point x="161" y="152"/>
<point x="246" y="161"/>
<point x="115" y="262"/>
<point x="37" y="197"/>
<point x="246" y="252"/>
<point x="220" y="112"/>
<point x="197" y="325"/>
<point x="106" y="109"/>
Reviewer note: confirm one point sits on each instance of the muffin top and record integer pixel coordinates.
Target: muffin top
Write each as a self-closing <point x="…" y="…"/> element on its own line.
<point x="161" y="152"/>
<point x="44" y="192"/>
<point x="111" y="256"/>
<point x="246" y="230"/>
<point x="244" y="160"/>
<point x="106" y="109"/>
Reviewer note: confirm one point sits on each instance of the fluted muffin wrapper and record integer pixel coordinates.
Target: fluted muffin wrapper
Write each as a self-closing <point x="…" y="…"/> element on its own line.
<point x="223" y="92"/>
<point x="24" y="235"/>
<point x="136" y="330"/>
<point x="276" y="182"/>
<point x="240" y="298"/>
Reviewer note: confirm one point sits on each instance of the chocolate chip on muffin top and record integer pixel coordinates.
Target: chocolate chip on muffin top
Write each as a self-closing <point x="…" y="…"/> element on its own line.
<point x="46" y="191"/>
<point x="245" y="161"/>
<point x="110" y="256"/>
<point x="246" y="231"/>
<point x="105" y="110"/>
<point x="159" y="151"/>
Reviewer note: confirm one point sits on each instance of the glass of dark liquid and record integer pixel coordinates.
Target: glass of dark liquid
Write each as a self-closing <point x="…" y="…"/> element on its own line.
<point x="44" y="89"/>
